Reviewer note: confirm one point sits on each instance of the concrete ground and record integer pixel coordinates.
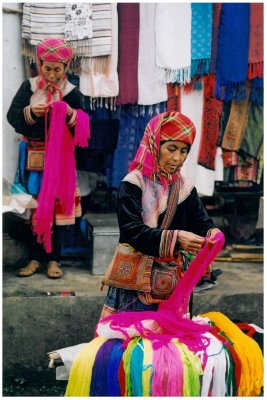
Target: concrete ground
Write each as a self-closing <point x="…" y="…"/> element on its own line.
<point x="35" y="323"/>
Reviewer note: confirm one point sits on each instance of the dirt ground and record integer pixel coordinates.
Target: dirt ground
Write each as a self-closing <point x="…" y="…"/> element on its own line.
<point x="21" y="389"/>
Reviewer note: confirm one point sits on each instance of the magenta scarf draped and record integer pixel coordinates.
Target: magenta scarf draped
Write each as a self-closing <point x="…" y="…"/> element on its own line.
<point x="170" y="314"/>
<point x="59" y="177"/>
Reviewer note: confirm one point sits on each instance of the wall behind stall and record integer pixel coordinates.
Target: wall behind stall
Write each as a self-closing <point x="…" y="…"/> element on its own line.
<point x="12" y="78"/>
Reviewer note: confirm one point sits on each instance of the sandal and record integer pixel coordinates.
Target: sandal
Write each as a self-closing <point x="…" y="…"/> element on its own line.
<point x="53" y="270"/>
<point x="31" y="268"/>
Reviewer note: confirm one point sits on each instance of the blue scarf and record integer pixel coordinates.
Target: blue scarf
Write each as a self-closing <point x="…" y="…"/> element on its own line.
<point x="201" y="30"/>
<point x="233" y="47"/>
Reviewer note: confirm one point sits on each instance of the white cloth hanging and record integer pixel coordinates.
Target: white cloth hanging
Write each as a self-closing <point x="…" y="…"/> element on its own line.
<point x="151" y="89"/>
<point x="201" y="177"/>
<point x="95" y="83"/>
<point x="173" y="41"/>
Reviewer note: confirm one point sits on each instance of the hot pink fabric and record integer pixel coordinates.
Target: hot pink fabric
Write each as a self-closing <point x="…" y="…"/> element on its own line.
<point x="170" y="314"/>
<point x="59" y="177"/>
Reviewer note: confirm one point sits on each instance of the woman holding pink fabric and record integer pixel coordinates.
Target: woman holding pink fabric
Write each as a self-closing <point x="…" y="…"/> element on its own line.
<point x="143" y="200"/>
<point x="47" y="111"/>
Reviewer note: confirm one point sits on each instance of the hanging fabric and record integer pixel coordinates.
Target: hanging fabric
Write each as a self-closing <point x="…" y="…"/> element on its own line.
<point x="174" y="97"/>
<point x="40" y="21"/>
<point x="212" y="109"/>
<point x="128" y="53"/>
<point x="216" y="15"/>
<point x="151" y="90"/>
<point x="201" y="29"/>
<point x="236" y="124"/>
<point x="232" y="52"/>
<point x="78" y="21"/>
<point x="99" y="43"/>
<point x="173" y="41"/>
<point x="95" y="82"/>
<point x="202" y="178"/>
<point x="253" y="136"/>
<point x="255" y="68"/>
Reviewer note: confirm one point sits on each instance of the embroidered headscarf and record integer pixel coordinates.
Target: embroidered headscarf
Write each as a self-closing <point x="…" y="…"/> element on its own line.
<point x="52" y="50"/>
<point x="170" y="125"/>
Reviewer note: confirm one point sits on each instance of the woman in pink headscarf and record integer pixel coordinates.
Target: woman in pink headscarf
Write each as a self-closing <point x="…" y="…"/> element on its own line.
<point x="143" y="197"/>
<point x="32" y="114"/>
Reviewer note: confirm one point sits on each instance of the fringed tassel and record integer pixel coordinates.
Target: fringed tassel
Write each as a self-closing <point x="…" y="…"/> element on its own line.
<point x="113" y="368"/>
<point x="248" y="351"/>
<point x="255" y="70"/>
<point x="168" y="375"/>
<point x="127" y="365"/>
<point x="192" y="370"/>
<point x="136" y="367"/>
<point x="148" y="369"/>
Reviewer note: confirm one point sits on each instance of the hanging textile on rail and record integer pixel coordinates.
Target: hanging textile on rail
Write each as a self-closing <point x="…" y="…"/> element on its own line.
<point x="202" y="178"/>
<point x="210" y="124"/>
<point x="95" y="82"/>
<point x="128" y="53"/>
<point x="201" y="29"/>
<point x="253" y="136"/>
<point x="174" y="97"/>
<point x="99" y="43"/>
<point x="236" y="124"/>
<point x="257" y="90"/>
<point x="232" y="51"/>
<point x="78" y="21"/>
<point x="216" y="15"/>
<point x="173" y="41"/>
<point x="255" y="59"/>
<point x="151" y="90"/>
<point x="46" y="20"/>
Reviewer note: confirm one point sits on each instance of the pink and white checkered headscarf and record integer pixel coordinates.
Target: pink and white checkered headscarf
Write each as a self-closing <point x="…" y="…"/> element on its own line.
<point x="169" y="125"/>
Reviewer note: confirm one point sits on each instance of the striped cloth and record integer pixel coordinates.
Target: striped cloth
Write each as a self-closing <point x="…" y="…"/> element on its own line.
<point x="42" y="20"/>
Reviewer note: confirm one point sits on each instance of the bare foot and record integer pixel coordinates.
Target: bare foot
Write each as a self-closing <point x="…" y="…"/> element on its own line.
<point x="53" y="270"/>
<point x="29" y="269"/>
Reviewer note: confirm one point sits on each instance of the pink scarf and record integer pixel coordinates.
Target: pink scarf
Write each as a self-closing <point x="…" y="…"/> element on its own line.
<point x="170" y="315"/>
<point x="59" y="177"/>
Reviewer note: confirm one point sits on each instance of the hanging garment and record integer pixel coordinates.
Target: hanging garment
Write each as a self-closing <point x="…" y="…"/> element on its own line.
<point x="257" y="90"/>
<point x="232" y="52"/>
<point x="236" y="124"/>
<point x="151" y="90"/>
<point x="128" y="53"/>
<point x="78" y="21"/>
<point x="99" y="42"/>
<point x="255" y="57"/>
<point x="174" y="97"/>
<point x="216" y="15"/>
<point x="201" y="29"/>
<point x="105" y="83"/>
<point x="253" y="136"/>
<point x="210" y="124"/>
<point x="201" y="177"/>
<point x="173" y="41"/>
<point x="46" y="20"/>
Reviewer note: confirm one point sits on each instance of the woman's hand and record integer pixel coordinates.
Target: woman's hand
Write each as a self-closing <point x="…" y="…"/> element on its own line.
<point x="189" y="241"/>
<point x="212" y="233"/>
<point x="38" y="109"/>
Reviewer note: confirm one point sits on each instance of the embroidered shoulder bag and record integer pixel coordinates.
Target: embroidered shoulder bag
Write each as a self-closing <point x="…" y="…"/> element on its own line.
<point x="152" y="278"/>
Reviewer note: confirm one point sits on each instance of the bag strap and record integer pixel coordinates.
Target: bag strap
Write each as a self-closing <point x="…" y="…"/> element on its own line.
<point x="172" y="204"/>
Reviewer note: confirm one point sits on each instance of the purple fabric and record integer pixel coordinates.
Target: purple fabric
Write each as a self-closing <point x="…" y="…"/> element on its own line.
<point x="128" y="15"/>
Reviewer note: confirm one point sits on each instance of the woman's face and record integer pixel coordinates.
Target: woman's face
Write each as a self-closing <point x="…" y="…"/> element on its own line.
<point x="172" y="155"/>
<point x="53" y="71"/>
